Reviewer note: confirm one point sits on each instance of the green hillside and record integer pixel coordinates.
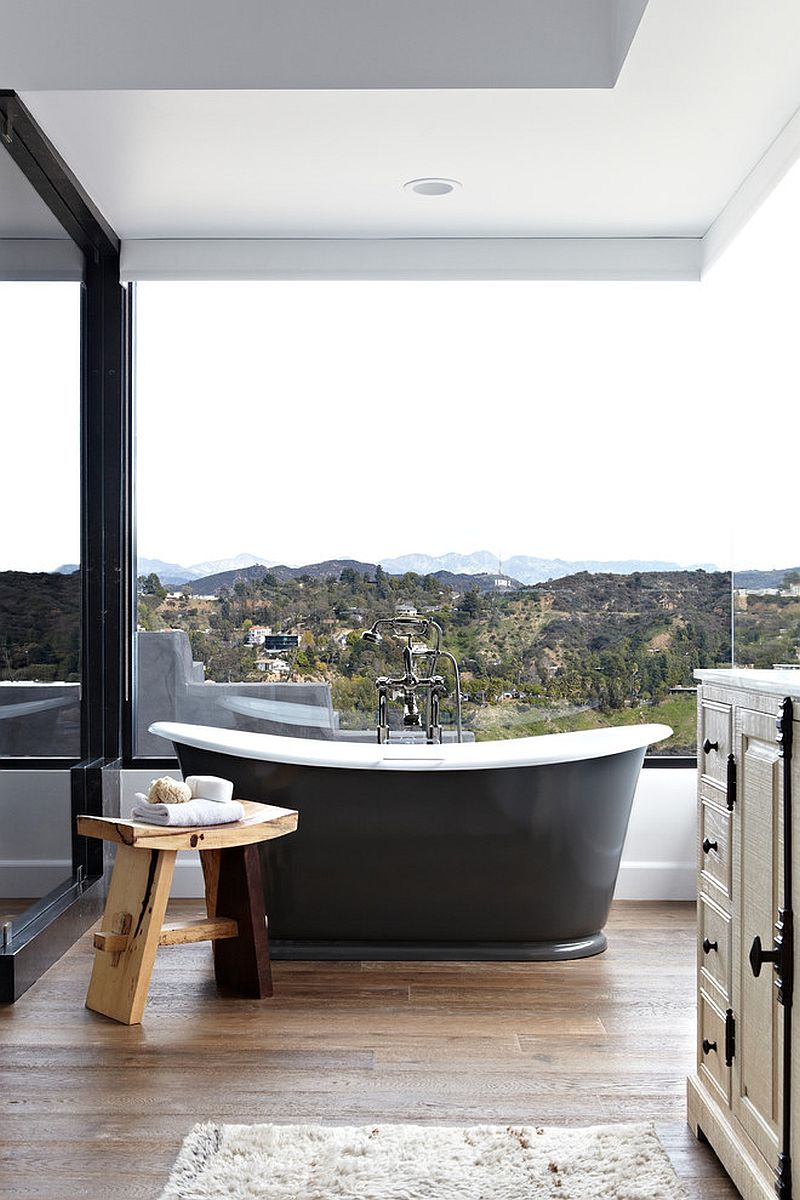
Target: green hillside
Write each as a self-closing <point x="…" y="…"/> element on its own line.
<point x="40" y="626"/>
<point x="579" y="652"/>
<point x="583" y="651"/>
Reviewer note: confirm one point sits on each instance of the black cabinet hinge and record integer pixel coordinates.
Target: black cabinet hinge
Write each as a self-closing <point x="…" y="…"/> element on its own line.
<point x="784" y="941"/>
<point x="783" y="727"/>
<point x="781" y="956"/>
<point x="730" y="1037"/>
<point x="730" y="787"/>
<point x="783" y="1177"/>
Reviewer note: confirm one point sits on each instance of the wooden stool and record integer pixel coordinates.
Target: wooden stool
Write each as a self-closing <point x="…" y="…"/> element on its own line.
<point x="133" y="927"/>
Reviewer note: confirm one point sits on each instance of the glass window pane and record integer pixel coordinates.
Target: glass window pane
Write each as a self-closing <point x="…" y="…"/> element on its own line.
<point x="755" y="285"/>
<point x="40" y="497"/>
<point x="40" y="342"/>
<point x="518" y="459"/>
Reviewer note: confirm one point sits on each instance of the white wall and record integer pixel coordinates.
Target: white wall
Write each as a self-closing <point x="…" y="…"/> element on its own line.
<point x="35" y="836"/>
<point x="658" y="862"/>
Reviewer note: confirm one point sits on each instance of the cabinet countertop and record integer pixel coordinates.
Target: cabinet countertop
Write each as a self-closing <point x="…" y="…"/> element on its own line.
<point x="778" y="683"/>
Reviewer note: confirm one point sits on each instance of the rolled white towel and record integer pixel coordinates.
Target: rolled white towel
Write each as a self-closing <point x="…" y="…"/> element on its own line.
<point x="210" y="787"/>
<point x="192" y="812"/>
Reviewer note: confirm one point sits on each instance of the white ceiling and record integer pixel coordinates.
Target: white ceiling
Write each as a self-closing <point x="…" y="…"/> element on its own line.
<point x="706" y="89"/>
<point x="189" y="44"/>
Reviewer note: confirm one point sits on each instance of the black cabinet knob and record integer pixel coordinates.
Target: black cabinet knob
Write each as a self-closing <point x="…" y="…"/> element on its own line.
<point x="709" y="746"/>
<point x="709" y="946"/>
<point x="758" y="956"/>
<point x="708" y="1046"/>
<point x="709" y="845"/>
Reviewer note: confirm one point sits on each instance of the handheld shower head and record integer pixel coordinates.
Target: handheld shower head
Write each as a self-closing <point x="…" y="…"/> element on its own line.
<point x="372" y="636"/>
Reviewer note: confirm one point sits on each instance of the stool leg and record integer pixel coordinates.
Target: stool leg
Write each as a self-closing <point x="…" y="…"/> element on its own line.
<point x="209" y="861"/>
<point x="140" y="883"/>
<point x="233" y="889"/>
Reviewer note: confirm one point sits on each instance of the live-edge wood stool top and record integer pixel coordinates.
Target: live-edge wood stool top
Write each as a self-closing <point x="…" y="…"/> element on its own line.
<point x="260" y="823"/>
<point x="133" y="922"/>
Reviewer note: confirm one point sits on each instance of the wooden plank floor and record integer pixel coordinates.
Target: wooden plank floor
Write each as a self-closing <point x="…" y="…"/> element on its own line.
<point x="10" y="910"/>
<point x="93" y="1109"/>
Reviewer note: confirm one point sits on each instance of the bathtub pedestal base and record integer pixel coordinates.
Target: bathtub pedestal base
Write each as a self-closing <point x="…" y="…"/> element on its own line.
<point x="585" y="947"/>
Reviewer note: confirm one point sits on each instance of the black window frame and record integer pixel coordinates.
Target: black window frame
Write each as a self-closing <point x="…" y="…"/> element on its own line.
<point x="51" y="925"/>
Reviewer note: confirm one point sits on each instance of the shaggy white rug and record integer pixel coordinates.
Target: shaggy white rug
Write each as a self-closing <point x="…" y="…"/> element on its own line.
<point x="422" y="1162"/>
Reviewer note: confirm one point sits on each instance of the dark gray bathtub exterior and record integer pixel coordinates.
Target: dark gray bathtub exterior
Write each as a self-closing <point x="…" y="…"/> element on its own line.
<point x="516" y="863"/>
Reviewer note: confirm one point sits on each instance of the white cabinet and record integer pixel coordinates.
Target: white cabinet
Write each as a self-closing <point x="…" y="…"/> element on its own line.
<point x="745" y="959"/>
<point x="758" y="895"/>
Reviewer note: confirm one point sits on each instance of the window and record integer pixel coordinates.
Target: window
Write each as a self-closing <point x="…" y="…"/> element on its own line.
<point x="40" y="599"/>
<point x="516" y="461"/>
<point x="754" y="288"/>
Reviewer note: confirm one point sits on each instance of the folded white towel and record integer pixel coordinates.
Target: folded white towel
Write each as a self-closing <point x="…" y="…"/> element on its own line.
<point x="193" y="812"/>
<point x="210" y="787"/>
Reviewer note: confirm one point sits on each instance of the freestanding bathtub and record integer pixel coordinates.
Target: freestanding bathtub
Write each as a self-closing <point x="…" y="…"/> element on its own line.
<point x="503" y="850"/>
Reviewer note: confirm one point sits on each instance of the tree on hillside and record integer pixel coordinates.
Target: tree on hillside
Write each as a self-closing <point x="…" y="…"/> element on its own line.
<point x="381" y="583"/>
<point x="470" y="607"/>
<point x="151" y="585"/>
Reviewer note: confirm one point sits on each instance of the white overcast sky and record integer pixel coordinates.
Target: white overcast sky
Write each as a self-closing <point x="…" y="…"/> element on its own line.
<point x="301" y="421"/>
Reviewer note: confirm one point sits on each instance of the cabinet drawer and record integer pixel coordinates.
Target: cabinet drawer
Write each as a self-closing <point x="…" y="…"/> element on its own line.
<point x="715" y="846"/>
<point x="711" y="1065"/>
<point x="714" y="951"/>
<point x="715" y="736"/>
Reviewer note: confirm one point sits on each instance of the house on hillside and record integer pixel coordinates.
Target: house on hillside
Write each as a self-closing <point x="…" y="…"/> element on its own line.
<point x="257" y="635"/>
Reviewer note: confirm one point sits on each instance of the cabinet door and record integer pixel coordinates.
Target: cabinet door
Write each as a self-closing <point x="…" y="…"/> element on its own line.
<point x="758" y="893"/>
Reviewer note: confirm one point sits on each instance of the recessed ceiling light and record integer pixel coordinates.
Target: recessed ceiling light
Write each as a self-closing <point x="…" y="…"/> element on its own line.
<point x="432" y="187"/>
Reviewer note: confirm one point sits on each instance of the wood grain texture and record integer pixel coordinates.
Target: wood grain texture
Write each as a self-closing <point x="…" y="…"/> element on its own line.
<point x="261" y="823"/>
<point x="746" y="1170"/>
<point x="209" y="861"/>
<point x="740" y="887"/>
<point x="97" y="1110"/>
<point x="111" y="943"/>
<point x="204" y="929"/>
<point x="241" y="964"/>
<point x="137" y="901"/>
<point x="758" y="892"/>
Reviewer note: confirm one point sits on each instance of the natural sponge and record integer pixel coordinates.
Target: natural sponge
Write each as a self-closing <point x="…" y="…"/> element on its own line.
<point x="168" y="791"/>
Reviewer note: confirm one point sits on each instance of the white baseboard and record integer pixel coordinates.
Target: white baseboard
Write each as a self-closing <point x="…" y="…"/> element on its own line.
<point x="637" y="880"/>
<point x="187" y="882"/>
<point x="656" y="881"/>
<point x="31" y="878"/>
<point x="23" y="878"/>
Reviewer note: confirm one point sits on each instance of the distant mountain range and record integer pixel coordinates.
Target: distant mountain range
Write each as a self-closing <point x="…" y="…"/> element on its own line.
<point x="175" y="573"/>
<point x="764" y="579"/>
<point x="332" y="569"/>
<point x="480" y="569"/>
<point x="520" y="568"/>
<point x="523" y="567"/>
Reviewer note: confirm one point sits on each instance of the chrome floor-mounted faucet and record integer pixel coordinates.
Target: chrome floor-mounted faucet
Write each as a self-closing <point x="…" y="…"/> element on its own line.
<point x="417" y="632"/>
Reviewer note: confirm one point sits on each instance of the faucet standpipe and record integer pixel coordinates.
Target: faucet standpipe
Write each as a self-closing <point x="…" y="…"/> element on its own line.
<point x="433" y="686"/>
